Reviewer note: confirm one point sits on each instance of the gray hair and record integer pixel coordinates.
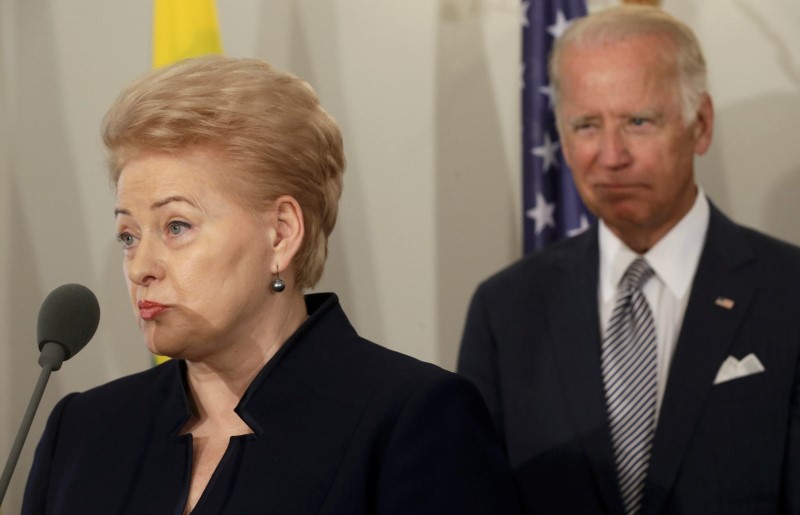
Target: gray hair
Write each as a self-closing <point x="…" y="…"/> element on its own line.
<point x="624" y="22"/>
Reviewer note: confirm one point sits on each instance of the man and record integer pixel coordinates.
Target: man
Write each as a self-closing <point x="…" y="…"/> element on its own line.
<point x="669" y="388"/>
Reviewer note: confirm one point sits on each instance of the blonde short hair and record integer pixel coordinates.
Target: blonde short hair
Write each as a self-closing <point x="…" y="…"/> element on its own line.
<point x="267" y="122"/>
<point x="628" y="21"/>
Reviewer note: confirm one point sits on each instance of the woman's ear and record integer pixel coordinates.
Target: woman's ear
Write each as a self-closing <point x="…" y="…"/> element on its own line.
<point x="287" y="230"/>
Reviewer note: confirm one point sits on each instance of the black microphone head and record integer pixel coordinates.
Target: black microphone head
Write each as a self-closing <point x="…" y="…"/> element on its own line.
<point x="69" y="316"/>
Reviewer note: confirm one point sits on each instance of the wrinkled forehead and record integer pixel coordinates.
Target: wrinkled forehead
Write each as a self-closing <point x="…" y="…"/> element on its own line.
<point x="656" y="50"/>
<point x="643" y="64"/>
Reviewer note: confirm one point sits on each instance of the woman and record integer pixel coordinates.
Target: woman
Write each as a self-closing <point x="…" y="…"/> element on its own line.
<point x="227" y="175"/>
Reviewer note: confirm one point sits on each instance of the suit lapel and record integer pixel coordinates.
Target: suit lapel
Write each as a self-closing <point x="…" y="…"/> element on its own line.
<point x="705" y="338"/>
<point x="290" y="466"/>
<point x="573" y="300"/>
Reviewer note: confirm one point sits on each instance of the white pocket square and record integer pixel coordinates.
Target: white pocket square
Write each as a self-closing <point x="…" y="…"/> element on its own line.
<point x="733" y="368"/>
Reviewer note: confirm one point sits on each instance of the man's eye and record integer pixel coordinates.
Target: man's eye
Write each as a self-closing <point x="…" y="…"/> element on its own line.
<point x="638" y="121"/>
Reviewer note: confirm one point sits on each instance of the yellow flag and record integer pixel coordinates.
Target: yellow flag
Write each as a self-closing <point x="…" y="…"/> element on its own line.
<point x="183" y="29"/>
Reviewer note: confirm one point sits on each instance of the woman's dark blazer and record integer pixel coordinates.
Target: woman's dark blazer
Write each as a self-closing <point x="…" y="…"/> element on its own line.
<point x="340" y="426"/>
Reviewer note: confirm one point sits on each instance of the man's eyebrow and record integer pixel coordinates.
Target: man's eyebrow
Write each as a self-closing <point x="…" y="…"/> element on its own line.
<point x="581" y="119"/>
<point x="646" y="113"/>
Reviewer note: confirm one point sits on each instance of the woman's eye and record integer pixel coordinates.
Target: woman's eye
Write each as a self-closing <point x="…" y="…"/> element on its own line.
<point x="127" y="239"/>
<point x="177" y="228"/>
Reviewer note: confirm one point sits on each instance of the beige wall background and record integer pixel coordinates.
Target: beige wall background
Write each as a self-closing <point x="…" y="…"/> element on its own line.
<point x="427" y="95"/>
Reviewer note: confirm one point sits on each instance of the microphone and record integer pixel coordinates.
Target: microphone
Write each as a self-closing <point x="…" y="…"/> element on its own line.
<point x="67" y="321"/>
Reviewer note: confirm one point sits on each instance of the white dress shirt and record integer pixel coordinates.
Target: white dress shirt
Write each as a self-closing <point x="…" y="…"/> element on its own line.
<point x="674" y="259"/>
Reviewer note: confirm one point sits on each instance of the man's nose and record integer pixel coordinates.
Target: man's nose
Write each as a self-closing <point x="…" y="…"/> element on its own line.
<point x="614" y="152"/>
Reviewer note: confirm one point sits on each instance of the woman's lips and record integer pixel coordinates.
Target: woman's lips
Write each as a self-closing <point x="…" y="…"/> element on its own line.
<point x="148" y="310"/>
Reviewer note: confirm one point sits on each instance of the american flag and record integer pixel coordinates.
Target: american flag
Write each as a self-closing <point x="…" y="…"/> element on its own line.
<point x="552" y="209"/>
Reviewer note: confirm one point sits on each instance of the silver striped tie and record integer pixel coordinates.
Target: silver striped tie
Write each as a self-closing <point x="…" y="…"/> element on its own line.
<point x="629" y="360"/>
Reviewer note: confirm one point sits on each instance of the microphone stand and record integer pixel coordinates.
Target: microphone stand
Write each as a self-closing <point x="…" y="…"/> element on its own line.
<point x="50" y="361"/>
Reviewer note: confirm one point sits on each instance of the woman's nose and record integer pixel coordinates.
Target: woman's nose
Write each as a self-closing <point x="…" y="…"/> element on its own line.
<point x="146" y="264"/>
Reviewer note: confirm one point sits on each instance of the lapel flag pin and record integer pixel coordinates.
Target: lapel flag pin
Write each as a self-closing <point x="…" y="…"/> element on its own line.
<point x="724" y="302"/>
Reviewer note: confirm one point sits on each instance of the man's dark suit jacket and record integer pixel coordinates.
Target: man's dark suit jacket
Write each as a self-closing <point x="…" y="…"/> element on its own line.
<point x="341" y="426"/>
<point x="532" y="346"/>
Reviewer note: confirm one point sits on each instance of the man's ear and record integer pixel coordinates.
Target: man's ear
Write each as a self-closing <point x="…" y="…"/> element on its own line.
<point x="287" y="230"/>
<point x="704" y="125"/>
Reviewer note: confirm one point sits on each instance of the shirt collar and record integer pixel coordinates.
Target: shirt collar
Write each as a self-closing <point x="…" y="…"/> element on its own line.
<point x="685" y="240"/>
